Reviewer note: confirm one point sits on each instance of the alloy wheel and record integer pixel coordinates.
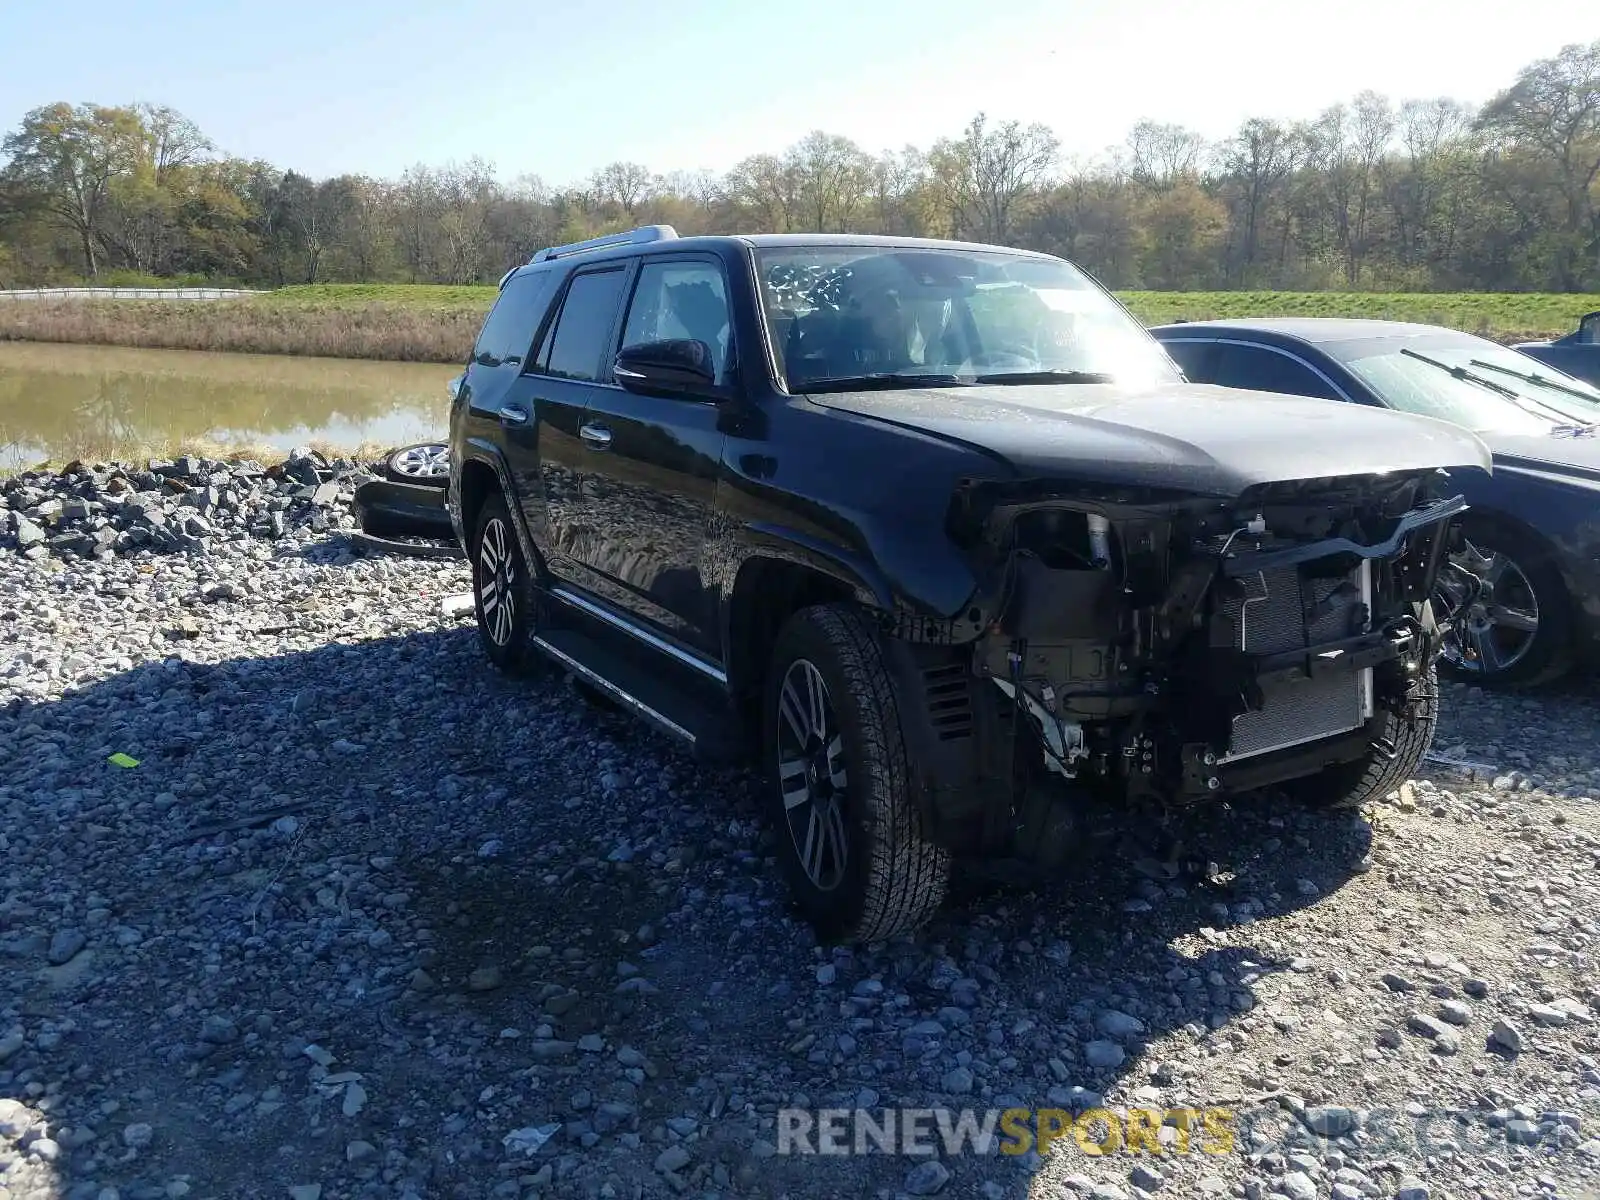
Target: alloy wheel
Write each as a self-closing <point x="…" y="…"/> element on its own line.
<point x="429" y="461"/>
<point x="811" y="774"/>
<point x="497" y="580"/>
<point x="1489" y="611"/>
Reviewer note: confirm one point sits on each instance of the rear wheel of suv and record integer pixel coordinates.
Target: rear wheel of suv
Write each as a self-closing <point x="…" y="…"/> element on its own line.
<point x="1408" y="735"/>
<point x="503" y="592"/>
<point x="849" y="832"/>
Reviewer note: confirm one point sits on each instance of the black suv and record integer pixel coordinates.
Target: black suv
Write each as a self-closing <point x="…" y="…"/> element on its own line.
<point x="941" y="535"/>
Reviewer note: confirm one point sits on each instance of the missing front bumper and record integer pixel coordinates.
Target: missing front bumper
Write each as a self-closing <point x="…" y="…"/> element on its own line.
<point x="1298" y="706"/>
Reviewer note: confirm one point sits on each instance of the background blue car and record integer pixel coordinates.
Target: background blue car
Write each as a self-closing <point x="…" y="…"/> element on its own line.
<point x="1577" y="354"/>
<point x="1522" y="596"/>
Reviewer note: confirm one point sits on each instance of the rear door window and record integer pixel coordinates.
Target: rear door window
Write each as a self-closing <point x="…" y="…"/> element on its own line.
<point x="508" y="332"/>
<point x="1268" y="371"/>
<point x="577" y="344"/>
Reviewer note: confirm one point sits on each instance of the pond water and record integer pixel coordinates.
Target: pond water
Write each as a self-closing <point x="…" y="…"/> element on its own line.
<point x="61" y="402"/>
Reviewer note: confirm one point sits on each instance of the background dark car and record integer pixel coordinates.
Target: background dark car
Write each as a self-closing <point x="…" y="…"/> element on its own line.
<point x="1523" y="594"/>
<point x="1577" y="354"/>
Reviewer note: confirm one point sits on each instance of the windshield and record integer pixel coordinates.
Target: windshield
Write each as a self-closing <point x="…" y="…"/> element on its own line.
<point x="1409" y="383"/>
<point x="842" y="316"/>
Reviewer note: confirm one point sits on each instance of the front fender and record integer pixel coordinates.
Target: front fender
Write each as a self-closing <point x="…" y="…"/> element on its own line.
<point x="861" y="576"/>
<point x="861" y="501"/>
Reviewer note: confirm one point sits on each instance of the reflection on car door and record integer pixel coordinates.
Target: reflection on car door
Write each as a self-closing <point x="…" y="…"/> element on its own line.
<point x="542" y="414"/>
<point x="651" y="464"/>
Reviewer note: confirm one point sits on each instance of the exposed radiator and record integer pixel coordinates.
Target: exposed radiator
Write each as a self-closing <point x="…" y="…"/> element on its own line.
<point x="1271" y="619"/>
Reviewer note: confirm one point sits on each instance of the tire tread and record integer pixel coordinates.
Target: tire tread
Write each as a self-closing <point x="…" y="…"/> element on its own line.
<point x="1350" y="785"/>
<point x="907" y="874"/>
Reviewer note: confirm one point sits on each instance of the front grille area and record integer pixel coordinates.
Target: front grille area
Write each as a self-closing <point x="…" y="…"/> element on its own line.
<point x="1270" y="619"/>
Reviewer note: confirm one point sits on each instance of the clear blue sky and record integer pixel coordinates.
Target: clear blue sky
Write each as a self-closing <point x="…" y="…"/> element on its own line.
<point x="557" y="88"/>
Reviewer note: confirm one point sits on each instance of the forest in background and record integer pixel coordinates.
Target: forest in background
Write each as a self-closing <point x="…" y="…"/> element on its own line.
<point x="1431" y="195"/>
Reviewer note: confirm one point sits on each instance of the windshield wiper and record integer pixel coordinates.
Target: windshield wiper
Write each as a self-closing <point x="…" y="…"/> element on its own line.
<point x="1532" y="407"/>
<point x="878" y="380"/>
<point x="1462" y="373"/>
<point x="1540" y="380"/>
<point x="1048" y="376"/>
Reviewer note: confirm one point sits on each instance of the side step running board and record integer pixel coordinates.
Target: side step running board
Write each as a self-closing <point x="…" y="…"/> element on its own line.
<point x="630" y="702"/>
<point x="678" y="702"/>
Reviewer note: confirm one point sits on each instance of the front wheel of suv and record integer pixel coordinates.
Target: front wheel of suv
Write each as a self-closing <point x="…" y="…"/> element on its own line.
<point x="1395" y="758"/>
<point x="503" y="591"/>
<point x="850" y="834"/>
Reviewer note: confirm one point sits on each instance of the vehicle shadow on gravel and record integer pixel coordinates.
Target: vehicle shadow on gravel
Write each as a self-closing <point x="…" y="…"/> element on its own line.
<point x="362" y="911"/>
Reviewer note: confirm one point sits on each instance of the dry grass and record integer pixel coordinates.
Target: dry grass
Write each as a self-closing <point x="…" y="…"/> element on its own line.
<point x="376" y="330"/>
<point x="370" y="454"/>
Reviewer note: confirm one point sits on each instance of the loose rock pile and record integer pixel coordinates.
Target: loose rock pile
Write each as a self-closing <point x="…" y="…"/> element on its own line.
<point x="367" y="920"/>
<point x="188" y="504"/>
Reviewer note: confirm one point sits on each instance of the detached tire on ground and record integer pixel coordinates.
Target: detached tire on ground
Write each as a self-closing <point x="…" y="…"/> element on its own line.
<point x="850" y="835"/>
<point x="503" y="592"/>
<point x="425" y="463"/>
<point x="1352" y="784"/>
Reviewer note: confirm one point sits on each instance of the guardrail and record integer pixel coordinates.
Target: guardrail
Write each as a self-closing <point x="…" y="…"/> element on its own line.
<point x="127" y="293"/>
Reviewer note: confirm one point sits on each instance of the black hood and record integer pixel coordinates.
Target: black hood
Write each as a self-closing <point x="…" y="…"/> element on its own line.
<point x="1186" y="436"/>
<point x="1575" y="456"/>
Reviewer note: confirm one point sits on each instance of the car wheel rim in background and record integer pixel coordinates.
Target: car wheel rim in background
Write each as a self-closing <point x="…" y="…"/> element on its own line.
<point x="423" y="462"/>
<point x="1490" y="612"/>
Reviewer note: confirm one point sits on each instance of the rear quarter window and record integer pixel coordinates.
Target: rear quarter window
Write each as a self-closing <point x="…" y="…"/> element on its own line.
<point x="507" y="333"/>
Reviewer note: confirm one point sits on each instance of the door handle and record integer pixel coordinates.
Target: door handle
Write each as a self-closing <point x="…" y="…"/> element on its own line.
<point x="595" y="435"/>
<point x="514" y="414"/>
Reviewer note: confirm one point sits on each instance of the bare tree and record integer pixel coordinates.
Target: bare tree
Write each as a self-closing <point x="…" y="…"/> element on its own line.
<point x="1162" y="155"/>
<point x="988" y="172"/>
<point x="770" y="186"/>
<point x="172" y="139"/>
<point x="625" y="184"/>
<point x="1553" y="109"/>
<point x="831" y="177"/>
<point x="1256" y="164"/>
<point x="899" y="183"/>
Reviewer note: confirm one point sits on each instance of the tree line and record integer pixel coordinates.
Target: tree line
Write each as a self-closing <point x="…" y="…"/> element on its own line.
<point x="1420" y="195"/>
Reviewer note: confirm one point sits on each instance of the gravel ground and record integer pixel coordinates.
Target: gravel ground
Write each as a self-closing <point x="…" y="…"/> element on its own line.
<point x="367" y="920"/>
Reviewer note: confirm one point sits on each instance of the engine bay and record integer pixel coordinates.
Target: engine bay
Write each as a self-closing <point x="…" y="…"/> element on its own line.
<point x="1170" y="649"/>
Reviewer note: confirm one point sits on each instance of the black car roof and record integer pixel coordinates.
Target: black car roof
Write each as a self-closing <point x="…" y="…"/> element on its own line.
<point x="725" y="242"/>
<point x="1312" y="330"/>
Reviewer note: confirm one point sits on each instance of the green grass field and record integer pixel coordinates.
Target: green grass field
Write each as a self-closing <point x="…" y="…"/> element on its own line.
<point x="401" y="322"/>
<point x="476" y="297"/>
<point x="1498" y="314"/>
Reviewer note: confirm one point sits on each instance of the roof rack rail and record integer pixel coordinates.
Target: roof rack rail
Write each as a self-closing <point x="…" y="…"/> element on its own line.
<point x="647" y="233"/>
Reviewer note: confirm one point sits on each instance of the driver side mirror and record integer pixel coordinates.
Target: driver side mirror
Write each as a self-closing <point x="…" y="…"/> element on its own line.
<point x="1589" y="329"/>
<point x="676" y="366"/>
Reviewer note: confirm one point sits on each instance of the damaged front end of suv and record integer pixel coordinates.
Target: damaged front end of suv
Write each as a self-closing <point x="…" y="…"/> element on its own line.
<point x="1142" y="648"/>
